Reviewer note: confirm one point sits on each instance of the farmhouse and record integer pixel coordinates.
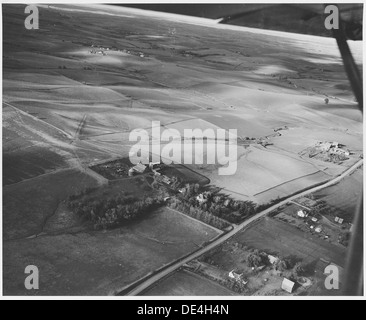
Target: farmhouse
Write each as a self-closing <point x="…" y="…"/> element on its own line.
<point x="339" y="151"/>
<point x="272" y="259"/>
<point x="326" y="146"/>
<point x="201" y="198"/>
<point x="237" y="277"/>
<point x="332" y="148"/>
<point x="302" y="214"/>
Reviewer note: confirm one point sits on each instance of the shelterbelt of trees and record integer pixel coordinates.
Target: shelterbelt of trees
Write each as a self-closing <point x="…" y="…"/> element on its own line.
<point x="202" y="203"/>
<point x="114" y="211"/>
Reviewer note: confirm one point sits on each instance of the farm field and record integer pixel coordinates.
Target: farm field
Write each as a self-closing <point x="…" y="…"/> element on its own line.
<point x="185" y="283"/>
<point x="344" y="197"/>
<point x="306" y="246"/>
<point x="110" y="95"/>
<point x="99" y="263"/>
<point x="29" y="204"/>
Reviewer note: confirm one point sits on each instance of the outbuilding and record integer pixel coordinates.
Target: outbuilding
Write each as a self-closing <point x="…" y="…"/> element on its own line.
<point x="301" y="214"/>
<point x="287" y="285"/>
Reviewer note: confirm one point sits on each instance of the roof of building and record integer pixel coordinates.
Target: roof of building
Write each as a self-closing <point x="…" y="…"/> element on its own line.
<point x="166" y="179"/>
<point x="287" y="285"/>
<point x="301" y="213"/>
<point x="139" y="167"/>
<point x="272" y="259"/>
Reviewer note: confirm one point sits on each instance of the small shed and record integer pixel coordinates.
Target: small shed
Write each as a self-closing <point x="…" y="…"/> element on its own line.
<point x="318" y="229"/>
<point x="287" y="285"/>
<point x="339" y="220"/>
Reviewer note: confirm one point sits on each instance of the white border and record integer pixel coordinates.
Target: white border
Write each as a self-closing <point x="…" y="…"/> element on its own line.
<point x="185" y="298"/>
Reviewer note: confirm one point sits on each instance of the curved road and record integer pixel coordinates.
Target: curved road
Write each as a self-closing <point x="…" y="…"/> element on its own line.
<point x="146" y="284"/>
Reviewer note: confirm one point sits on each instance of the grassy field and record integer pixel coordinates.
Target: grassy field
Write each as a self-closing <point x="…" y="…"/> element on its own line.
<point x="29" y="204"/>
<point x="100" y="263"/>
<point x="344" y="197"/>
<point x="185" y="283"/>
<point x="285" y="240"/>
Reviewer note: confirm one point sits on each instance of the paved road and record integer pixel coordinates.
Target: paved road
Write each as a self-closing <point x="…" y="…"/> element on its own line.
<point x="146" y="284"/>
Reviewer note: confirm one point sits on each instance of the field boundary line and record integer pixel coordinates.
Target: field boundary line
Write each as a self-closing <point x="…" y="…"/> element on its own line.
<point x="205" y="224"/>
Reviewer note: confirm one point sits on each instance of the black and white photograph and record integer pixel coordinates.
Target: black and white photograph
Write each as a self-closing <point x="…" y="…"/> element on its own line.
<point x="204" y="150"/>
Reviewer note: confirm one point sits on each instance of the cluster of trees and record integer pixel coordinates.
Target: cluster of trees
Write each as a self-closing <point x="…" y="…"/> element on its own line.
<point x="257" y="258"/>
<point x="269" y="204"/>
<point x="218" y="204"/>
<point x="296" y="268"/>
<point x="291" y="264"/>
<point x="198" y="213"/>
<point x="114" y="211"/>
<point x="233" y="285"/>
<point x="336" y="157"/>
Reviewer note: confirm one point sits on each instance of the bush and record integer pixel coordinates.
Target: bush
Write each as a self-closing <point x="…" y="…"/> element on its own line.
<point x="298" y="270"/>
<point x="282" y="265"/>
<point x="257" y="259"/>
